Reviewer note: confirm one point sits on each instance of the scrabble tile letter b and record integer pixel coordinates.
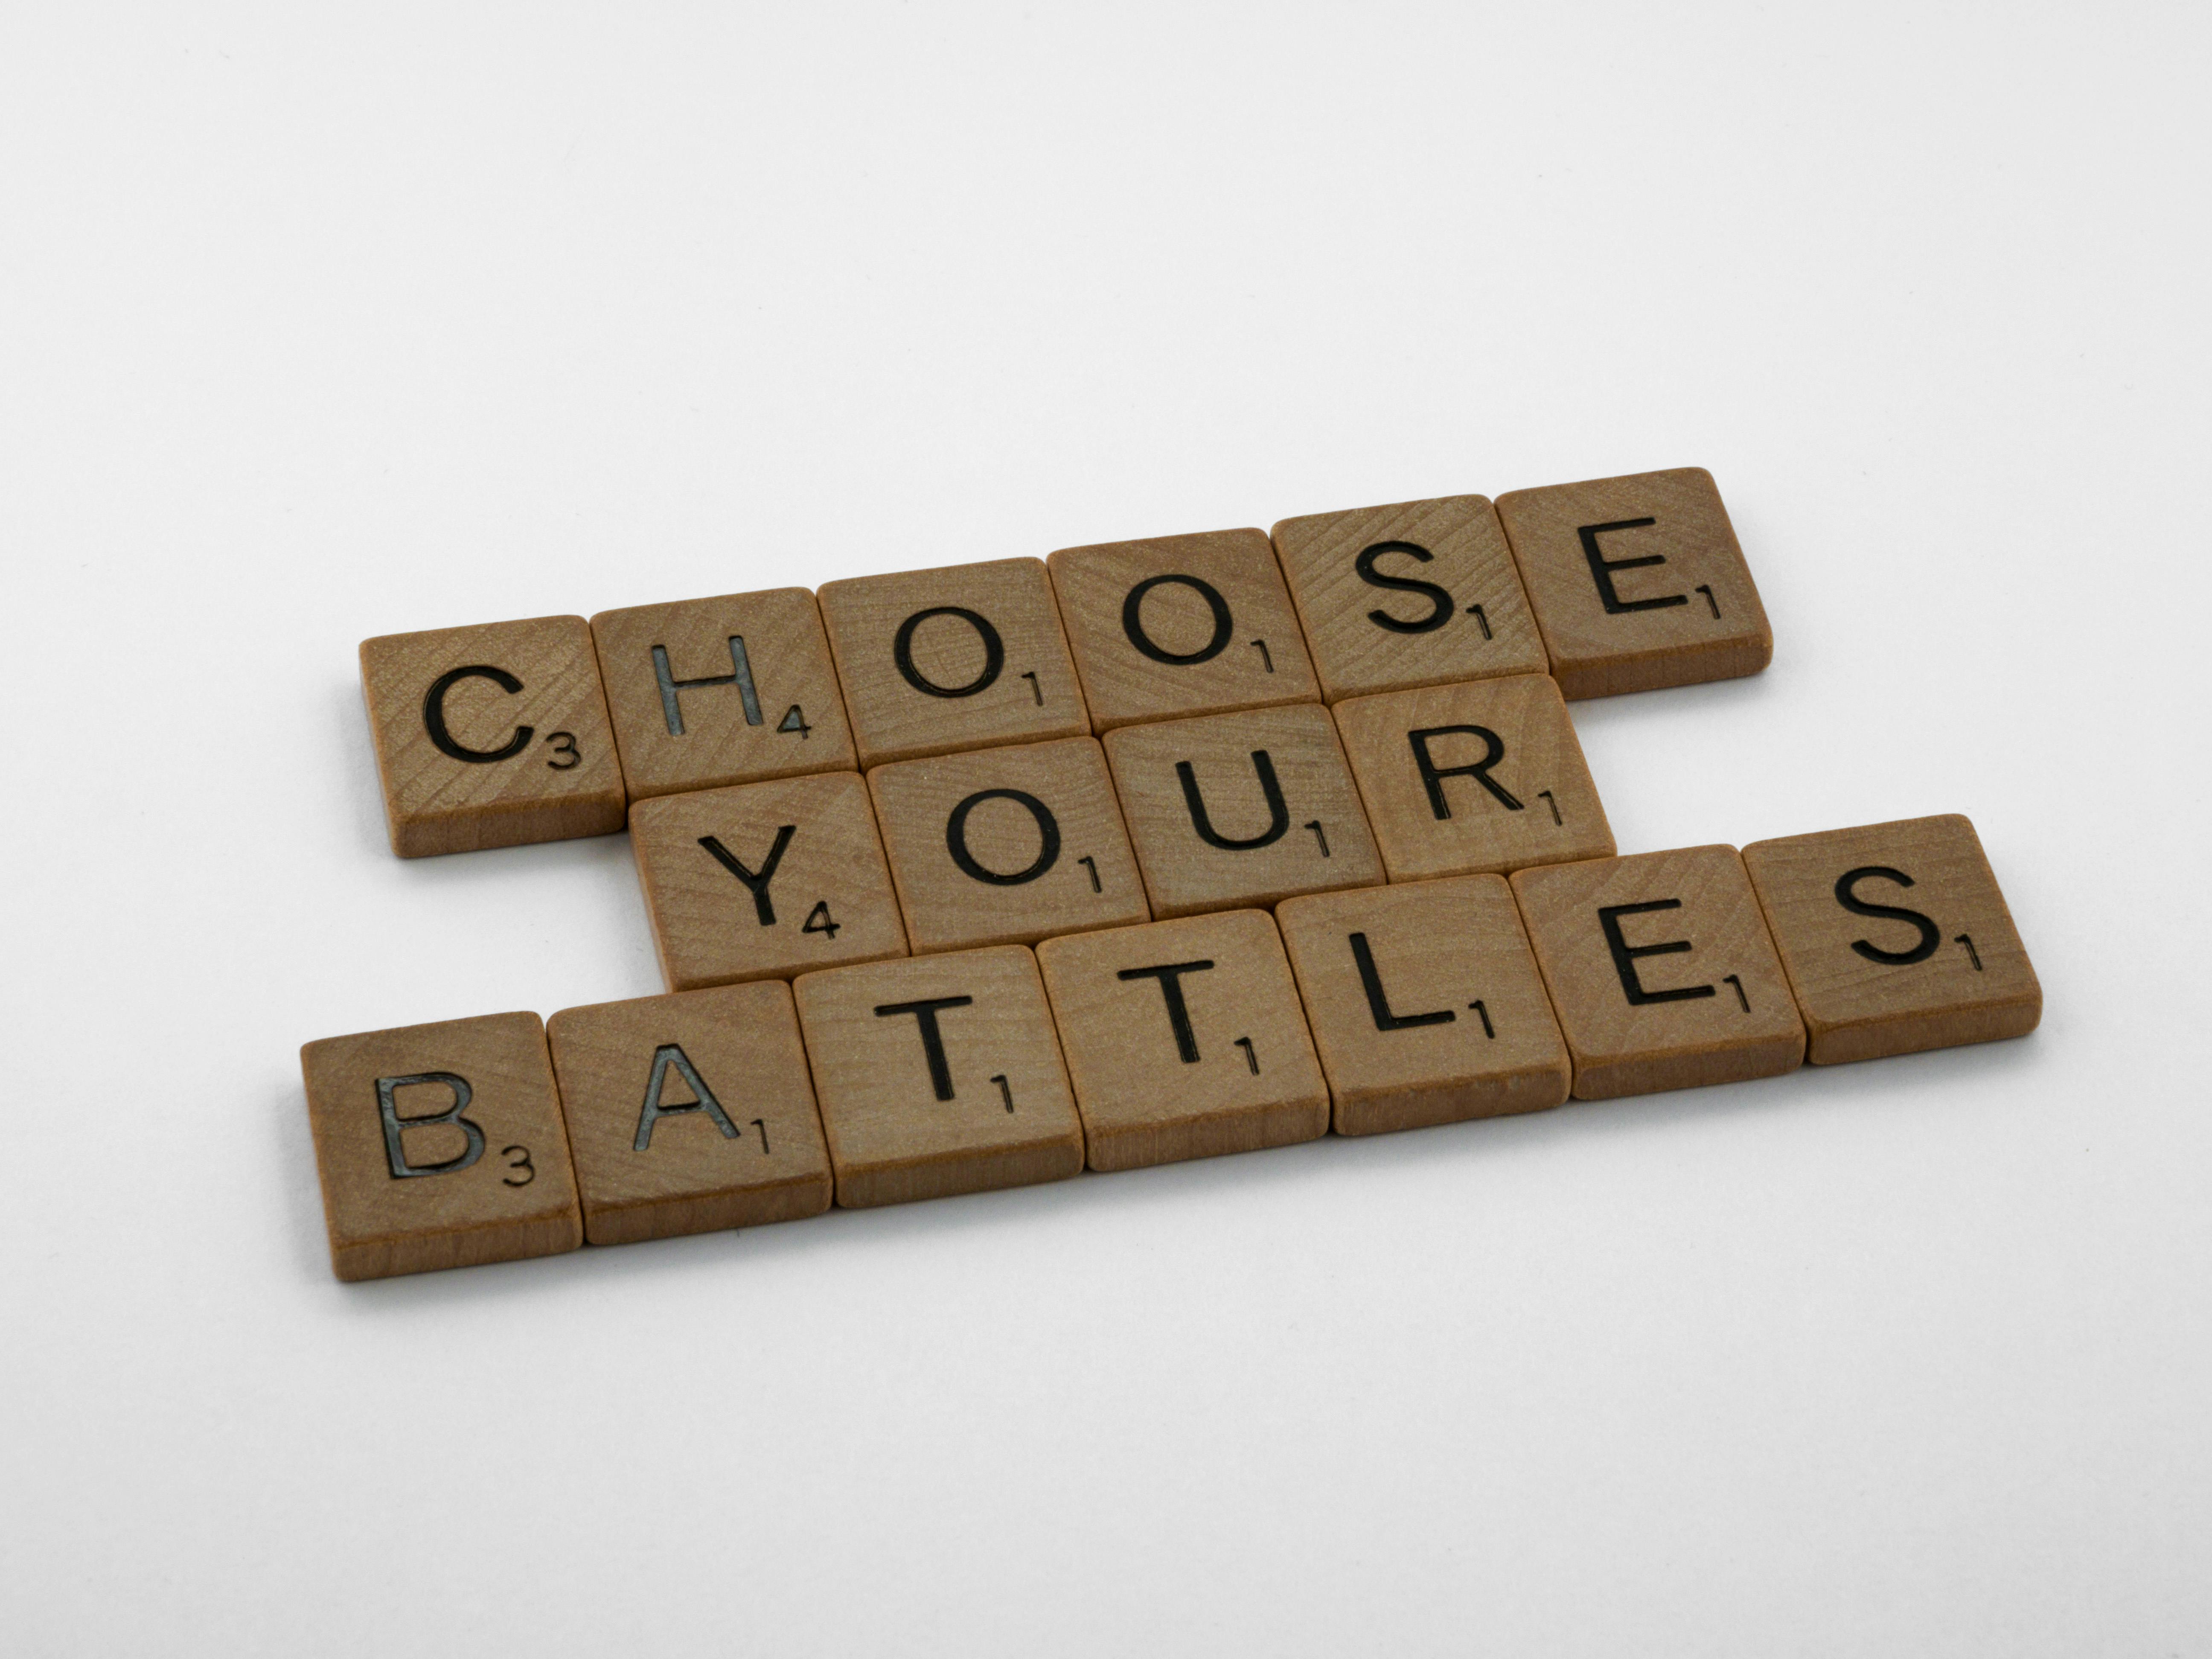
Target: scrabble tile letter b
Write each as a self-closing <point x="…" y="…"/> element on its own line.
<point x="491" y="736"/>
<point x="1896" y="938"/>
<point x="1180" y="625"/>
<point x="1661" y="971"/>
<point x="939" y="1075"/>
<point x="710" y="692"/>
<point x="439" y="1146"/>
<point x="1638" y="582"/>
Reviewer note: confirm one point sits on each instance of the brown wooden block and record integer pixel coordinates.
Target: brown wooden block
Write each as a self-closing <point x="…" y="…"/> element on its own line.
<point x="967" y="657"/>
<point x="491" y="736"/>
<point x="709" y="692"/>
<point x="1238" y="810"/>
<point x="765" y="880"/>
<point x="440" y="1145"/>
<point x="1896" y="939"/>
<point x="939" y="1075"/>
<point x="1417" y="594"/>
<point x="1425" y="1004"/>
<point x="1637" y="582"/>
<point x="1005" y="846"/>
<point x="690" y="1113"/>
<point x="1184" y="1039"/>
<point x="1180" y="625"/>
<point x="1486" y="776"/>
<point x="1660" y="971"/>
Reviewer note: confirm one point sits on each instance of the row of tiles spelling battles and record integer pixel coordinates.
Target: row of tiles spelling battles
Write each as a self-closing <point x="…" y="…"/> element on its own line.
<point x="518" y="731"/>
<point x="1377" y="1009"/>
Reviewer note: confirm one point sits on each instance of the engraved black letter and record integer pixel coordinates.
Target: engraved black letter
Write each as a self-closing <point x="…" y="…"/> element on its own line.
<point x="933" y="1040"/>
<point x="393" y="1123"/>
<point x="1378" y="1003"/>
<point x="1132" y="621"/>
<point x="666" y="1055"/>
<point x="1601" y="569"/>
<point x="433" y="715"/>
<point x="1930" y="935"/>
<point x="1278" y="815"/>
<point x="994" y="653"/>
<point x="1433" y="776"/>
<point x="1624" y="955"/>
<point x="1438" y="598"/>
<point x="740" y="675"/>
<point x="955" y="837"/>
<point x="757" y="883"/>
<point x="1169" y="975"/>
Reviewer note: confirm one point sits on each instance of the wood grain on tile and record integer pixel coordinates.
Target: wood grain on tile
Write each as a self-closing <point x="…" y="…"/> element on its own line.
<point x="1896" y="938"/>
<point x="440" y="1145"/>
<point x="1484" y="776"/>
<point x="765" y="880"/>
<point x="690" y="1113"/>
<point x="491" y="736"/>
<point x="939" y="1075"/>
<point x="1184" y="1039"/>
<point x="736" y="688"/>
<point x="1661" y="970"/>
<point x="1425" y="1004"/>
<point x="1180" y="625"/>
<point x="1005" y="846"/>
<point x="970" y="656"/>
<point x="1416" y="593"/>
<point x="1637" y="582"/>
<point x="1231" y="810"/>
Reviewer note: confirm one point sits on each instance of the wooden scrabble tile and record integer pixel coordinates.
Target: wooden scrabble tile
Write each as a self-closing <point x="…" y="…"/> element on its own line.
<point x="1486" y="776"/>
<point x="1184" y="1039"/>
<point x="1896" y="939"/>
<point x="710" y="692"/>
<point x="1637" y="582"/>
<point x="966" y="657"/>
<point x="1236" y="810"/>
<point x="439" y="1146"/>
<point x="765" y="880"/>
<point x="690" y="1113"/>
<point x="939" y="1075"/>
<point x="1180" y="625"/>
<point x="1418" y="593"/>
<point x="1660" y="971"/>
<point x="1005" y="846"/>
<point x="491" y="736"/>
<point x="1425" y="1004"/>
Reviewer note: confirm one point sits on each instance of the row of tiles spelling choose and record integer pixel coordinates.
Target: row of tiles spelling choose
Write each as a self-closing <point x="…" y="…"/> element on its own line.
<point x="540" y="730"/>
<point x="1379" y="1009"/>
<point x="1011" y="845"/>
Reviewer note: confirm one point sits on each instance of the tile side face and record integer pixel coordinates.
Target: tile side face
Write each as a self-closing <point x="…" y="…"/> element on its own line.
<point x="491" y="736"/>
<point x="968" y="656"/>
<point x="1184" y="1039"/>
<point x="1180" y="625"/>
<point x="1896" y="938"/>
<point x="939" y="1075"/>
<point x="690" y="1113"/>
<point x="1417" y="594"/>
<point x="1660" y="971"/>
<point x="1487" y="776"/>
<point x="1425" y="1004"/>
<point x="1638" y="582"/>
<point x="440" y="1145"/>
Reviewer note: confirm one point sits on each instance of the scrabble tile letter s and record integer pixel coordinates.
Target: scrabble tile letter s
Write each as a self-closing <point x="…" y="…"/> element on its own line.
<point x="1180" y="625"/>
<point x="491" y="736"/>
<point x="440" y="1145"/>
<point x="1638" y="582"/>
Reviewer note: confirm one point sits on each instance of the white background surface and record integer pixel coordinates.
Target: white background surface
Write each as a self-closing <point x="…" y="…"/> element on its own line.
<point x="316" y="329"/>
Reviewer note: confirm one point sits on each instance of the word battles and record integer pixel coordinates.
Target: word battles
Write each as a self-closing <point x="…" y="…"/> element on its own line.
<point x="967" y="878"/>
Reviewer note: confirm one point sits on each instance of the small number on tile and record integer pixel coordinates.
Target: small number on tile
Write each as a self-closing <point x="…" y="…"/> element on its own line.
<point x="1972" y="955"/>
<point x="1005" y="1090"/>
<point x="1251" y="1055"/>
<point x="819" y="921"/>
<point x="520" y="1157"/>
<point x="1261" y="645"/>
<point x="794" y="720"/>
<point x="1730" y="979"/>
<point x="1092" y="865"/>
<point x="1320" y="835"/>
<point x="1483" y="1014"/>
<point x="564" y="747"/>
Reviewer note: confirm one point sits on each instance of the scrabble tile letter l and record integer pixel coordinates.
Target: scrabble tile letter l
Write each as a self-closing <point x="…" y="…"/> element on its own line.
<point x="491" y="736"/>
<point x="1896" y="938"/>
<point x="1637" y="582"/>
<point x="1661" y="971"/>
<point x="439" y="1146"/>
